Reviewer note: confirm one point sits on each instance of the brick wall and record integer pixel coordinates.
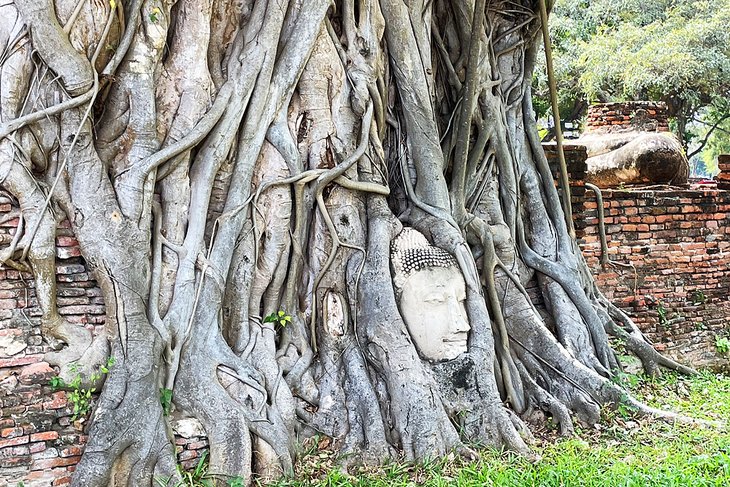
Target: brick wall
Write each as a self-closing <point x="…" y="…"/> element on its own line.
<point x="649" y="116"/>
<point x="723" y="178"/>
<point x="670" y="254"/>
<point x="676" y="244"/>
<point x="39" y="443"/>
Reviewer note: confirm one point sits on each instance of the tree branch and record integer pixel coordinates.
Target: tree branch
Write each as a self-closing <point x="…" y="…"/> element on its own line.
<point x="709" y="133"/>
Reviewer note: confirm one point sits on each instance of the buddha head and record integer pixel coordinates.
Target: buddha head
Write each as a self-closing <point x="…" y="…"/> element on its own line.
<point x="430" y="291"/>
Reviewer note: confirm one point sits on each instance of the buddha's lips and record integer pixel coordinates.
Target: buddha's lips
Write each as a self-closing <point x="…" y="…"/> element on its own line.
<point x="455" y="340"/>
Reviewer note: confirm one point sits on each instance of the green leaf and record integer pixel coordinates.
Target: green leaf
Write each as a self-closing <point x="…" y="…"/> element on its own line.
<point x="154" y="15"/>
<point x="166" y="401"/>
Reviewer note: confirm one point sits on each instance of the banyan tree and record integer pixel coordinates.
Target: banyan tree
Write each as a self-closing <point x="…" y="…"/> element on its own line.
<point x="305" y="216"/>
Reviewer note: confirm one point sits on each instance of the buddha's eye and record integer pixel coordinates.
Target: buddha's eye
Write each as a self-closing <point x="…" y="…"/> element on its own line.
<point x="435" y="299"/>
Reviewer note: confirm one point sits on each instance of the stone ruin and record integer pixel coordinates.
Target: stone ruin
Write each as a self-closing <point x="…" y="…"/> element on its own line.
<point x="630" y="143"/>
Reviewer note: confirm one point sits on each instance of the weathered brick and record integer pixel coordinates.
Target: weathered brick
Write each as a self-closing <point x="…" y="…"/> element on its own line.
<point x="187" y="455"/>
<point x="20" y="361"/>
<point x="38" y="447"/>
<point x="71" y="269"/>
<point x="16" y="461"/>
<point x="65" y="480"/>
<point x="55" y="462"/>
<point x="14" y="451"/>
<point x="37" y="373"/>
<point x="66" y="242"/>
<point x="71" y="451"/>
<point x="58" y="401"/>
<point x="20" y="440"/>
<point x="44" y="436"/>
<point x="82" y="309"/>
<point x="11" y="432"/>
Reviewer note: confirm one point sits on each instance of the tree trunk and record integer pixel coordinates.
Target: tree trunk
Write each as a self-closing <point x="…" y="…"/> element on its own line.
<point x="237" y="174"/>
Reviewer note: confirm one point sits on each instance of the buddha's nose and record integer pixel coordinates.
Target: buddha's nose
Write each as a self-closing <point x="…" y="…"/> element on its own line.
<point x="461" y="324"/>
<point x="459" y="321"/>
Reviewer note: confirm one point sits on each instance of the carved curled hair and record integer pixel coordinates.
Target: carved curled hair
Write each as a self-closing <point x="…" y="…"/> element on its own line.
<point x="411" y="252"/>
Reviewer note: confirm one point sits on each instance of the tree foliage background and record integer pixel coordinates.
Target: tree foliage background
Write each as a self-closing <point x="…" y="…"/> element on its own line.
<point x="676" y="51"/>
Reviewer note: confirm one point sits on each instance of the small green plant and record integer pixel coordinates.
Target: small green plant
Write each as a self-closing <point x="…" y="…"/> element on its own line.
<point x="627" y="380"/>
<point x="698" y="297"/>
<point x="57" y="383"/>
<point x="626" y="411"/>
<point x="722" y="344"/>
<point x="78" y="395"/>
<point x="166" y="401"/>
<point x="109" y="363"/>
<point x="155" y="15"/>
<point x="662" y="311"/>
<point x="279" y="318"/>
<point x="200" y="476"/>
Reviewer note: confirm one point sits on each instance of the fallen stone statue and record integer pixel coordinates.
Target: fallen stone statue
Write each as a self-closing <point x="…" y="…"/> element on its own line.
<point x="634" y="153"/>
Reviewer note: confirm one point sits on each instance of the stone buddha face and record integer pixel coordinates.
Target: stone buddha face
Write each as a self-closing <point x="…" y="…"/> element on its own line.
<point x="431" y="293"/>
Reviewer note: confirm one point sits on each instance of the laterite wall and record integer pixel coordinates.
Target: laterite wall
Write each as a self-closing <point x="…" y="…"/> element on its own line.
<point x="649" y="116"/>
<point x="669" y="249"/>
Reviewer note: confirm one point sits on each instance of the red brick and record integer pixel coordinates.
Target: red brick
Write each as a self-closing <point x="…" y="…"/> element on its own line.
<point x="82" y="309"/>
<point x="21" y="440"/>
<point x="58" y="401"/>
<point x="37" y="373"/>
<point x="11" y="432"/>
<point x="37" y="447"/>
<point x="15" y="461"/>
<point x="67" y="252"/>
<point x="20" y="361"/>
<point x="187" y="455"/>
<point x="71" y="451"/>
<point x="66" y="242"/>
<point x="54" y="462"/>
<point x="40" y="475"/>
<point x="44" y="436"/>
<point x="197" y="445"/>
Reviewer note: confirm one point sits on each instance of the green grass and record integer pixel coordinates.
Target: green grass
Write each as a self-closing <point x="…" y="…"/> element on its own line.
<point x="623" y="452"/>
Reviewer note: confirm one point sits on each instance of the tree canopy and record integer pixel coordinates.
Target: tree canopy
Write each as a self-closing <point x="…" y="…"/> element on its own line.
<point x="676" y="51"/>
